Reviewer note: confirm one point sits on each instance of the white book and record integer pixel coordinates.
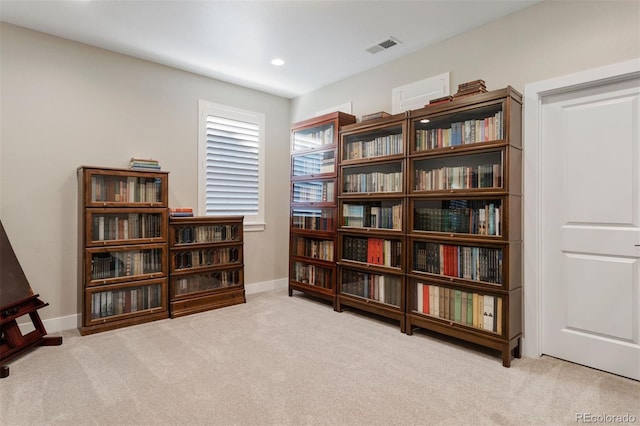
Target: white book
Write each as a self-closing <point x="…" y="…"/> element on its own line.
<point x="420" y="295"/>
<point x="489" y="321"/>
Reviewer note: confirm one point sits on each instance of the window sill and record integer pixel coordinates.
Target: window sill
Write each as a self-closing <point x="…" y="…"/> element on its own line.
<point x="254" y="227"/>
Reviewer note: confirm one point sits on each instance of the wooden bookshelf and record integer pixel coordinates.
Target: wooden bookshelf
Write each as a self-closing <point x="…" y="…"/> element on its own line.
<point x="371" y="211"/>
<point x="206" y="258"/>
<point x="122" y="247"/>
<point x="464" y="237"/>
<point x="313" y="195"/>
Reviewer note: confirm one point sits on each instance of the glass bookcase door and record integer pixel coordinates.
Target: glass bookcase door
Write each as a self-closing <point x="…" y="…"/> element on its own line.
<point x="458" y="216"/>
<point x="383" y="142"/>
<point x="481" y="311"/>
<point x="382" y="288"/>
<point x="313" y="137"/>
<point x="313" y="191"/>
<point x="187" y="285"/>
<point x="378" y="251"/>
<point x="114" y="302"/>
<point x="126" y="189"/>
<point x="482" y="170"/>
<point x="188" y="260"/>
<point x="205" y="234"/>
<point x="122" y="264"/>
<point x="373" y="178"/>
<point x="313" y="163"/>
<point x="313" y="219"/>
<point x="312" y="248"/>
<point x="480" y="264"/>
<point x="473" y="126"/>
<point x="110" y="227"/>
<point x="312" y="274"/>
<point x="378" y="214"/>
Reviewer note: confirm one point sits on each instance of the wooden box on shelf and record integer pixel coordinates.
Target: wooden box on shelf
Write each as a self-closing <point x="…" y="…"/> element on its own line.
<point x="122" y="247"/>
<point x="206" y="263"/>
<point x="371" y="240"/>
<point x="464" y="239"/>
<point x="312" y="235"/>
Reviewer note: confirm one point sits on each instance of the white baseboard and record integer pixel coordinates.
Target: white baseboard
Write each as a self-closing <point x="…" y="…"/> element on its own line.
<point x="260" y="287"/>
<point x="70" y="322"/>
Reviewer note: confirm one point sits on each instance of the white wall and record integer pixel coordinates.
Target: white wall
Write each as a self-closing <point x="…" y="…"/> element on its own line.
<point x="551" y="38"/>
<point x="65" y="104"/>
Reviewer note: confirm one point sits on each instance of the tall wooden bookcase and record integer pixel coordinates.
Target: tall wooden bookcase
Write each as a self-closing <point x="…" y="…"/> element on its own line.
<point x="464" y="272"/>
<point x="206" y="263"/>
<point x="122" y="245"/>
<point x="371" y="211"/>
<point x="313" y="195"/>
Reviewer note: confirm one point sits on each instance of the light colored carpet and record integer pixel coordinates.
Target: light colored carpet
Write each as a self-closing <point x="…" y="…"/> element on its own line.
<point x="278" y="360"/>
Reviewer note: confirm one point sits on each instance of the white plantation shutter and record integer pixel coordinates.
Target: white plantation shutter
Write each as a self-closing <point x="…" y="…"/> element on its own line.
<point x="231" y="166"/>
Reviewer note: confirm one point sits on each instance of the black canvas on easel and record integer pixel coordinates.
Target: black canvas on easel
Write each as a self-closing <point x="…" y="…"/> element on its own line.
<point x="17" y="300"/>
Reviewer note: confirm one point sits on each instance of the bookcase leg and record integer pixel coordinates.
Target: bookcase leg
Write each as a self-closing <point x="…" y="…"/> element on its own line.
<point x="506" y="356"/>
<point x="4" y="371"/>
<point x="403" y="325"/>
<point x="290" y="292"/>
<point x="517" y="352"/>
<point x="408" y="328"/>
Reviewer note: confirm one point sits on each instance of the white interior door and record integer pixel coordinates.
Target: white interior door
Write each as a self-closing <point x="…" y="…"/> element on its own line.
<point x="590" y="226"/>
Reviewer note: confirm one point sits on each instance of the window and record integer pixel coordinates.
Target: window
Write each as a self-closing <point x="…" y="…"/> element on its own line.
<point x="231" y="168"/>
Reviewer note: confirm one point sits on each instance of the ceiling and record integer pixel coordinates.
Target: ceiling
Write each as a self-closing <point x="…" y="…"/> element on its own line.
<point x="234" y="41"/>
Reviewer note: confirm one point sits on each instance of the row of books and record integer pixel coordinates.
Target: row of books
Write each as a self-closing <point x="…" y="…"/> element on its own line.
<point x="374" y="251"/>
<point x="317" y="162"/>
<point x="312" y="139"/>
<point x="125" y="301"/>
<point x="373" y="182"/>
<point x="126" y="226"/>
<point x="125" y="263"/>
<point x="381" y="288"/>
<point x="461" y="177"/>
<point x="144" y="164"/>
<point x="315" y="249"/>
<point x="206" y="257"/>
<point x="130" y="189"/>
<point x="461" y="133"/>
<point x="315" y="221"/>
<point x="380" y="146"/>
<point x="471" y="263"/>
<point x="196" y="234"/>
<point x="314" y="191"/>
<point x="482" y="219"/>
<point x="204" y="282"/>
<point x="471" y="309"/>
<point x="181" y="211"/>
<point x="366" y="216"/>
<point x="312" y="275"/>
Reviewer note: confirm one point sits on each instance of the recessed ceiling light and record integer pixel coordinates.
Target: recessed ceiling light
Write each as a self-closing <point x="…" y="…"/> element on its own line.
<point x="277" y="62"/>
<point x="425" y="120"/>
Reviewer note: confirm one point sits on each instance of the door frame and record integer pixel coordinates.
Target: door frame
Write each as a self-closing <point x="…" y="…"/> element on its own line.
<point x="534" y="93"/>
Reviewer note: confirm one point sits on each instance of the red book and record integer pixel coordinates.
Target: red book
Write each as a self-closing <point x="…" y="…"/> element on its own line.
<point x="425" y="298"/>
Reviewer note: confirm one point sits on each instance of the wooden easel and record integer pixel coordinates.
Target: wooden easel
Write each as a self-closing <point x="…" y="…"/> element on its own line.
<point x="17" y="300"/>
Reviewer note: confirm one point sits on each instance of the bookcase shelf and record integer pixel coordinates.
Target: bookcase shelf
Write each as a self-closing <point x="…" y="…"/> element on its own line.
<point x="371" y="233"/>
<point x="464" y="238"/>
<point x="206" y="258"/>
<point x="312" y="229"/>
<point x="122" y="247"/>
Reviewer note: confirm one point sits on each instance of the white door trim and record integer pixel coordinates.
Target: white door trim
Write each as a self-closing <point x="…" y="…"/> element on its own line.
<point x="533" y="96"/>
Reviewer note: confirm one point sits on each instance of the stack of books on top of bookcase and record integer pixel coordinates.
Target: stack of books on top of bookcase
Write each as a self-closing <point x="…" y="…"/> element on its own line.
<point x="180" y="211"/>
<point x="144" y="164"/>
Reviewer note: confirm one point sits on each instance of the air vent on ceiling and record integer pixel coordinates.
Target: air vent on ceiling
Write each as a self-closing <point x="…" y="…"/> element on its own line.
<point x="383" y="45"/>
